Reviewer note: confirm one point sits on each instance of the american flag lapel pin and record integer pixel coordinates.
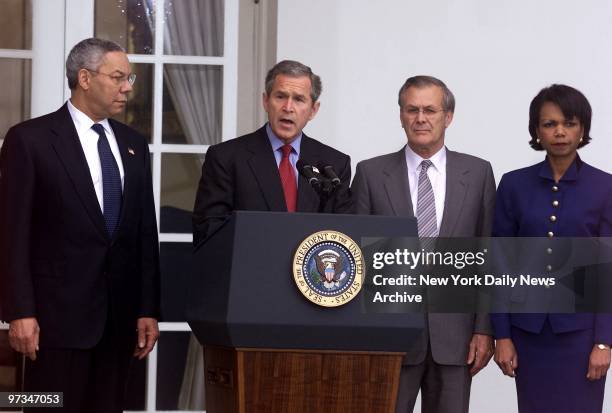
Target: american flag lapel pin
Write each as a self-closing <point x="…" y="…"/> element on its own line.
<point x="131" y="151"/>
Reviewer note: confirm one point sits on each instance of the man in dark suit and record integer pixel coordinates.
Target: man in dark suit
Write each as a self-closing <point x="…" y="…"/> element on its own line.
<point x="258" y="171"/>
<point x="79" y="261"/>
<point x="451" y="195"/>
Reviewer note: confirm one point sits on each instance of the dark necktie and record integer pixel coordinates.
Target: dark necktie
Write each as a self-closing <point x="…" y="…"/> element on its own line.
<point x="111" y="181"/>
<point x="287" y="175"/>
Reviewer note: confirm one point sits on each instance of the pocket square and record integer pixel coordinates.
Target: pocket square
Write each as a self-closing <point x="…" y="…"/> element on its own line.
<point x="131" y="151"/>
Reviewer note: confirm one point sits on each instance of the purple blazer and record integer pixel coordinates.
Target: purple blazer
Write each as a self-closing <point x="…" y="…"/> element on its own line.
<point x="525" y="202"/>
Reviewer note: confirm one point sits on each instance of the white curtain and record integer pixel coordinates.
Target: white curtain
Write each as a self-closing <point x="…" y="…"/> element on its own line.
<point x="192" y="395"/>
<point x="194" y="28"/>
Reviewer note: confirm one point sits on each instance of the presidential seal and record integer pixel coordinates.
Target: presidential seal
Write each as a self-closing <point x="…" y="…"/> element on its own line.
<point x="328" y="268"/>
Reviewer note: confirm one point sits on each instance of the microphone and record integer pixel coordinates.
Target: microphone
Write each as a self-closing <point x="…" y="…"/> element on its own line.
<point x="308" y="172"/>
<point x="330" y="174"/>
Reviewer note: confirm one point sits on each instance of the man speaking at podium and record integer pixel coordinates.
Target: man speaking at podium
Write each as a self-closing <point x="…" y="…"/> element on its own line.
<point x="258" y="171"/>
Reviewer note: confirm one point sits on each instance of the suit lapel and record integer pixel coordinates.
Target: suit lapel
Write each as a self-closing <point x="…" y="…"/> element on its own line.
<point x="397" y="185"/>
<point x="308" y="200"/>
<point x="70" y="152"/>
<point x="456" y="189"/>
<point x="265" y="171"/>
<point x="128" y="175"/>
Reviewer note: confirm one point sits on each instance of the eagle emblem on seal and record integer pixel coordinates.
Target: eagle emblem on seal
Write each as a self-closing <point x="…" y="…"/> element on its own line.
<point x="330" y="267"/>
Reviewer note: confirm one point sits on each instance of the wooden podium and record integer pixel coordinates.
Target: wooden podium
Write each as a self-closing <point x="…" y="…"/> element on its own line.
<point x="266" y="347"/>
<point x="297" y="381"/>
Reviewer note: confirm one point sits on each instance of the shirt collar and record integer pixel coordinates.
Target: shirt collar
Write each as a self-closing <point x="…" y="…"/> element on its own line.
<point x="570" y="175"/>
<point x="413" y="160"/>
<point x="82" y="122"/>
<point x="277" y="143"/>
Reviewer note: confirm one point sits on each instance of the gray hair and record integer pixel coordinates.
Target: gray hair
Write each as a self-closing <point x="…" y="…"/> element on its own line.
<point x="448" y="100"/>
<point x="294" y="69"/>
<point x="87" y="54"/>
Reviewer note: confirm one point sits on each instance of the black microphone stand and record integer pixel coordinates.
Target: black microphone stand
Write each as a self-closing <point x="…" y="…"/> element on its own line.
<point x="323" y="184"/>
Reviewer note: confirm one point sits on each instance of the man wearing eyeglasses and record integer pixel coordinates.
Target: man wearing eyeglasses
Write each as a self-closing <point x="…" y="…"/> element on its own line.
<point x="451" y="195"/>
<point x="79" y="261"/>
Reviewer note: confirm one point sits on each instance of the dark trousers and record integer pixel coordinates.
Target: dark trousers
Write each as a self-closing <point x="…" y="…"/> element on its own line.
<point x="92" y="380"/>
<point x="444" y="389"/>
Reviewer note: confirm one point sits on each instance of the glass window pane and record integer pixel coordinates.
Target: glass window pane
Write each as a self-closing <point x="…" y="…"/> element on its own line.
<point x="14" y="95"/>
<point x="194" y="27"/>
<point x="172" y="394"/>
<point x="130" y="23"/>
<point x="175" y="267"/>
<point x="180" y="363"/>
<point x="139" y="110"/>
<point x="16" y="24"/>
<point x="192" y="112"/>
<point x="179" y="181"/>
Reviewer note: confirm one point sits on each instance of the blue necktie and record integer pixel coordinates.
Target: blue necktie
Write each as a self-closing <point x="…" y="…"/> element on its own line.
<point x="111" y="182"/>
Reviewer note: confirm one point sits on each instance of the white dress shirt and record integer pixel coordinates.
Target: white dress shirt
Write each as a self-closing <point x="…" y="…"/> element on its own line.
<point x="89" y="142"/>
<point x="437" y="176"/>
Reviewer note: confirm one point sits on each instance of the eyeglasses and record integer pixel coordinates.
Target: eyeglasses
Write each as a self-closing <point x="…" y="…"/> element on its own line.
<point x="428" y="112"/>
<point x="118" y="79"/>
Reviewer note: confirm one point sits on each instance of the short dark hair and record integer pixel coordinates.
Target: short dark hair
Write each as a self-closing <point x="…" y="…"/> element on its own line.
<point x="448" y="100"/>
<point x="571" y="102"/>
<point x="294" y="69"/>
<point x="87" y="54"/>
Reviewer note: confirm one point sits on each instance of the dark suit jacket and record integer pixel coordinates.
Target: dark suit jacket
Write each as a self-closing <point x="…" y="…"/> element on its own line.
<point x="57" y="262"/>
<point x="241" y="174"/>
<point x="525" y="204"/>
<point x="381" y="188"/>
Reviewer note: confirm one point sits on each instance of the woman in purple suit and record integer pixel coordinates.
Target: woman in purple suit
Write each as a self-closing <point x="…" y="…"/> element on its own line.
<point x="559" y="361"/>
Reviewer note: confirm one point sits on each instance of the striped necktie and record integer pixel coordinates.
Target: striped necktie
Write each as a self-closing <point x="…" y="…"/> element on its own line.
<point x="426" y="208"/>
